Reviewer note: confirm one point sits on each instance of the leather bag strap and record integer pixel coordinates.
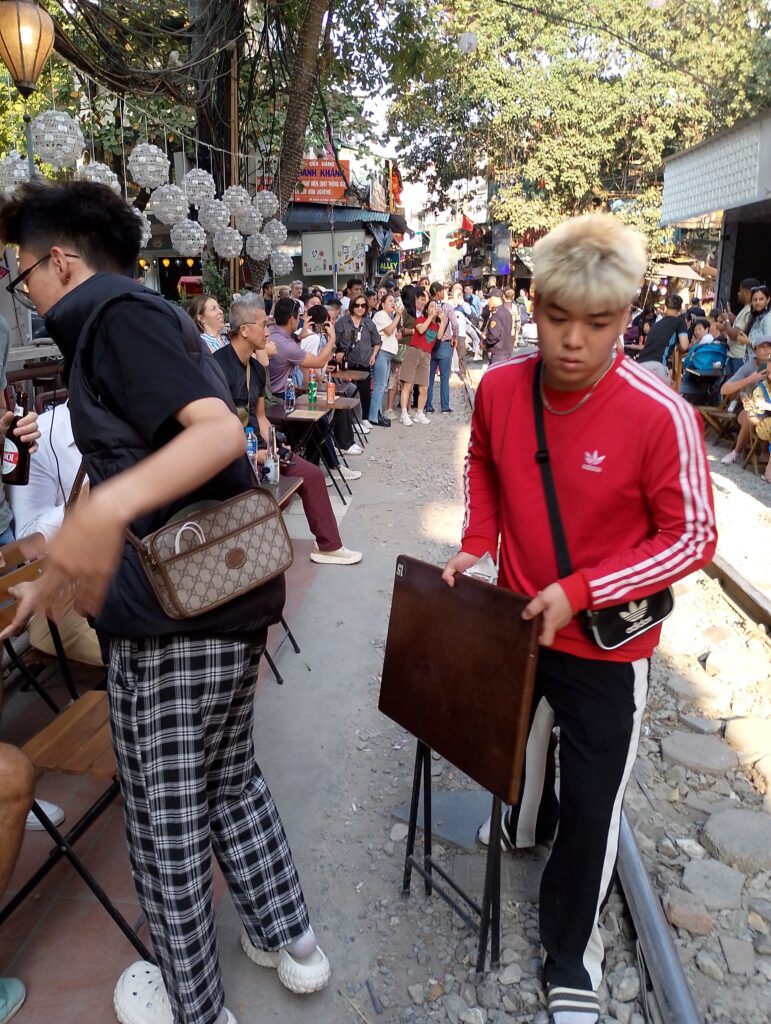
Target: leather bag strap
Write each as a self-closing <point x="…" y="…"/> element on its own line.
<point x="564" y="565"/>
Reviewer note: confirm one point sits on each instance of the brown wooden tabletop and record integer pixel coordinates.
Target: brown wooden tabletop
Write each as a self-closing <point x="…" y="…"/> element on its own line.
<point x="285" y="489"/>
<point x="350" y="375"/>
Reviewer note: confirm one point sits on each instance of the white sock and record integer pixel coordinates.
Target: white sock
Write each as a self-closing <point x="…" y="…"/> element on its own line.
<point x="575" y="1017"/>
<point x="305" y="946"/>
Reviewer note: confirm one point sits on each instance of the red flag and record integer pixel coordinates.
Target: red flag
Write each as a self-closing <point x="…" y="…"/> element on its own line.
<point x="466" y="223"/>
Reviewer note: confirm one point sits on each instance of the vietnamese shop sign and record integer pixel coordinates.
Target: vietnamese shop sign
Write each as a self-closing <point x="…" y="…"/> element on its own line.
<point x="320" y="181"/>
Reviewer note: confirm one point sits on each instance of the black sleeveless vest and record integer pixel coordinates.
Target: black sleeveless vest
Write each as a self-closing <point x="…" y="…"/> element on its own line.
<point x="109" y="445"/>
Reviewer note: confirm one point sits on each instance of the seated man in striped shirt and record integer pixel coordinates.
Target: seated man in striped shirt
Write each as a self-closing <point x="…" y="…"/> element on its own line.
<point x="637" y="513"/>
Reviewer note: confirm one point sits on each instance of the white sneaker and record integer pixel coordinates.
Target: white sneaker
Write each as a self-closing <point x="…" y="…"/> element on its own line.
<point x="304" y="976"/>
<point x="353" y="450"/>
<point x="420" y="417"/>
<point x="349" y="474"/>
<point x="731" y="457"/>
<point x="340" y="557"/>
<point x="365" y="427"/>
<point x="390" y="414"/>
<point x="405" y="419"/>
<point x="56" y="814"/>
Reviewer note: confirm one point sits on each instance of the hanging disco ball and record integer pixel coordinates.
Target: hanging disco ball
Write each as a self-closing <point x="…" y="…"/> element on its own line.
<point x="248" y="221"/>
<point x="57" y="138"/>
<point x="99" y="173"/>
<point x="258" y="247"/>
<point x="228" y="243"/>
<point x="148" y="165"/>
<point x="14" y="171"/>
<point x="236" y="199"/>
<point x="281" y="264"/>
<point x="147" y="228"/>
<point x="214" y="216"/>
<point x="168" y="204"/>
<point x="188" y="238"/>
<point x="266" y="203"/>
<point x="199" y="187"/>
<point x="275" y="231"/>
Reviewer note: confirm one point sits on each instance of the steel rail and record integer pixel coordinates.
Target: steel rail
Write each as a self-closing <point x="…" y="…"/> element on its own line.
<point x="675" y="1000"/>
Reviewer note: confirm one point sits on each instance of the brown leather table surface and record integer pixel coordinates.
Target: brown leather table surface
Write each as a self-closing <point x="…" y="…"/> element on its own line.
<point x="459" y="672"/>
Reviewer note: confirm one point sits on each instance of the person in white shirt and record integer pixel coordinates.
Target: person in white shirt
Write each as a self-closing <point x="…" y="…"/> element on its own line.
<point x="386" y="319"/>
<point x="39" y="508"/>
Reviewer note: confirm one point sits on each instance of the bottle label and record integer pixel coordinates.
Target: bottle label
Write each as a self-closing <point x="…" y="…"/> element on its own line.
<point x="10" y="456"/>
<point x="18" y="411"/>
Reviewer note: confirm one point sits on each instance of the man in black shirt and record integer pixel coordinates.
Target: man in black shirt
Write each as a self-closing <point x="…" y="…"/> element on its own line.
<point x="156" y="426"/>
<point x="249" y="335"/>
<point x="662" y="337"/>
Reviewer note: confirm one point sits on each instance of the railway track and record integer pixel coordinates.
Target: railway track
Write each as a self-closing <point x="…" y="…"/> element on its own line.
<point x="665" y="994"/>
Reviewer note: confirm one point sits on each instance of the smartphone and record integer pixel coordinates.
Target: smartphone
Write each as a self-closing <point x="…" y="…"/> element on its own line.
<point x="762" y="367"/>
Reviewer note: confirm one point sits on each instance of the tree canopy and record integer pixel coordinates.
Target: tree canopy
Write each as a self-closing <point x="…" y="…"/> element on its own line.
<point x="572" y="104"/>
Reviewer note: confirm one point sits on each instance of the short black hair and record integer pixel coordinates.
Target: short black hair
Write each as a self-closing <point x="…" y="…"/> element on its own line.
<point x="336" y="303"/>
<point x="81" y="215"/>
<point x="317" y="315"/>
<point x="284" y="310"/>
<point x="352" y="282"/>
<point x="266" y="285"/>
<point x="749" y="283"/>
<point x="673" y="301"/>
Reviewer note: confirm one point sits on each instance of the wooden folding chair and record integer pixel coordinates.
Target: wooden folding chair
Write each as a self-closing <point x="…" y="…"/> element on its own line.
<point x="78" y="742"/>
<point x="722" y="419"/>
<point x="755" y="451"/>
<point x="21" y="563"/>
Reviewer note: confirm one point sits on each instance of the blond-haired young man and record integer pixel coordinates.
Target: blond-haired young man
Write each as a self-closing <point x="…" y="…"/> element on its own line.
<point x="633" y="488"/>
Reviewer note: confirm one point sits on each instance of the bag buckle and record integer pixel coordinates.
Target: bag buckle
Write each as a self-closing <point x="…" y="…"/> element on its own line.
<point x="542" y="456"/>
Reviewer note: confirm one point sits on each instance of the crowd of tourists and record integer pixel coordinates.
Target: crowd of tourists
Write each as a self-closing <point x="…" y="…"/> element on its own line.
<point x="725" y="357"/>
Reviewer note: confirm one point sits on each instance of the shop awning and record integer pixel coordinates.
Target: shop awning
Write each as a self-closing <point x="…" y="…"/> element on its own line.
<point x="681" y="270"/>
<point x="315" y="217"/>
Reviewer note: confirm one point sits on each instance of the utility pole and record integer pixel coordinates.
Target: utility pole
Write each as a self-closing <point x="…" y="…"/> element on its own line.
<point x="234" y="264"/>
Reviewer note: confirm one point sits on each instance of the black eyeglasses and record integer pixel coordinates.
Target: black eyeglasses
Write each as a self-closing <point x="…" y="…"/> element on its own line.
<point x="358" y="305"/>
<point x="18" y="287"/>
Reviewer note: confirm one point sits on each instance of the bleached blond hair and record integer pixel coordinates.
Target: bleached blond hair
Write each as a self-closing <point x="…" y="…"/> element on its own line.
<point x="590" y="263"/>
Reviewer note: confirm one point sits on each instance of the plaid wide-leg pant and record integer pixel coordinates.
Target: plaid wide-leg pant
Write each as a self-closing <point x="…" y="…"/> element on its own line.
<point x="181" y="712"/>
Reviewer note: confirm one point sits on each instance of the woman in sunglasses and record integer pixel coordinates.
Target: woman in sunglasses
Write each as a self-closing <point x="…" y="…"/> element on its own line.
<point x="358" y="338"/>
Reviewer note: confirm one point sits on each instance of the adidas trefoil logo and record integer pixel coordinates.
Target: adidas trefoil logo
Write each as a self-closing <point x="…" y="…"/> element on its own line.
<point x="635" y="611"/>
<point x="593" y="461"/>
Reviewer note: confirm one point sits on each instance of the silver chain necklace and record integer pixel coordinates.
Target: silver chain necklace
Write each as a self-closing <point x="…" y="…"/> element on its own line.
<point x="584" y="400"/>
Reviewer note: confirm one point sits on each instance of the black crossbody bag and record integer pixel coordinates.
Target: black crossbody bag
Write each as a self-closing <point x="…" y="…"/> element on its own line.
<point x="617" y="624"/>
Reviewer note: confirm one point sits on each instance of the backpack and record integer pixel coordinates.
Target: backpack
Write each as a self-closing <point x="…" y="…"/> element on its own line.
<point x="703" y="358"/>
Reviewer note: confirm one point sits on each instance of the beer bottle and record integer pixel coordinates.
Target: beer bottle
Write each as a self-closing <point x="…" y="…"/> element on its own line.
<point x="331" y="395"/>
<point x="15" y="452"/>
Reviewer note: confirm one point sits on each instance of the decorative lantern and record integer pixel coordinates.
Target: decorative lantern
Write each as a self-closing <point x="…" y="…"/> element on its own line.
<point x="148" y="165"/>
<point x="100" y="173"/>
<point x="188" y="238"/>
<point x="214" y="216"/>
<point x="168" y="204"/>
<point x="258" y="247"/>
<point x="199" y="187"/>
<point x="468" y="42"/>
<point x="236" y="199"/>
<point x="14" y="171"/>
<point x="26" y="41"/>
<point x="248" y="221"/>
<point x="267" y="203"/>
<point x="56" y="138"/>
<point x="228" y="243"/>
<point x="147" y="228"/>
<point x="275" y="231"/>
<point x="281" y="264"/>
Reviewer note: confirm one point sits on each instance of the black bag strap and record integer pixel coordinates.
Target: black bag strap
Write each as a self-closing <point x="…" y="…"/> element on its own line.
<point x="564" y="566"/>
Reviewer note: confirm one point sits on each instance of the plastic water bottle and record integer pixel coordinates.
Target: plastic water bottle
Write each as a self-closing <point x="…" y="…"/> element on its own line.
<point x="312" y="389"/>
<point x="251" y="444"/>
<point x="289" y="395"/>
<point x="331" y="394"/>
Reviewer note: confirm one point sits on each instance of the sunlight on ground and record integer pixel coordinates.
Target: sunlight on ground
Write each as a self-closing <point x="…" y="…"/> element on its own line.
<point x="442" y="521"/>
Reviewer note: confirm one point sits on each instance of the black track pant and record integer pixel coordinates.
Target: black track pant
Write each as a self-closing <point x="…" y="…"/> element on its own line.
<point x="597" y="706"/>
